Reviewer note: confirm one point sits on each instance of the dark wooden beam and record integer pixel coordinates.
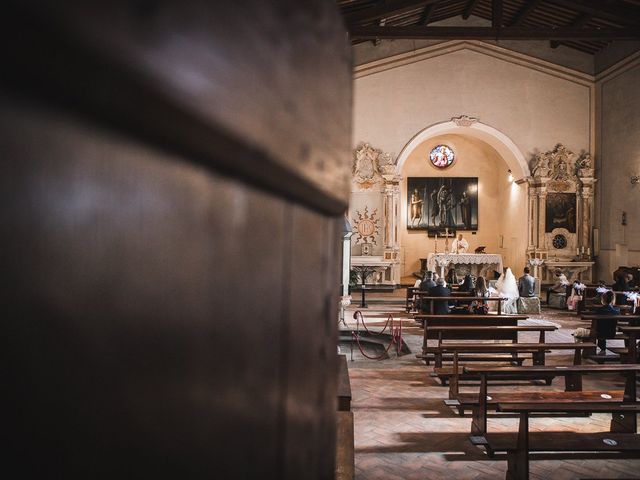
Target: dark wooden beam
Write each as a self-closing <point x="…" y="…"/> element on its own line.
<point x="386" y="9"/>
<point x="496" y="13"/>
<point x="579" y="22"/>
<point x="471" y="6"/>
<point x="490" y="33"/>
<point x="522" y="15"/>
<point x="598" y="9"/>
<point x="426" y="15"/>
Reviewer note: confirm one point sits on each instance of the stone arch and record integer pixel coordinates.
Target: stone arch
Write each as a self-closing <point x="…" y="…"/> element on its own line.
<point x="498" y="140"/>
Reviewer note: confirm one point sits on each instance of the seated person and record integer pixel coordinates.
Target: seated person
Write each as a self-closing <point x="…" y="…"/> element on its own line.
<point x="467" y="284"/>
<point x="606" y="328"/>
<point x="427" y="282"/>
<point x="440" y="307"/>
<point x="622" y="283"/>
<point x="527" y="284"/>
<point x="452" y="277"/>
<point x="481" y="290"/>
<point x="560" y="285"/>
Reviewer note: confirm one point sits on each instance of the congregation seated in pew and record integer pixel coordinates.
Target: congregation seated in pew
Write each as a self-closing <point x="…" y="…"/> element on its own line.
<point x="606" y="328"/>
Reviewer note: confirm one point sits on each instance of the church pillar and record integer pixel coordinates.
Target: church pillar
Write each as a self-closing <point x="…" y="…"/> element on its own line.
<point x="533" y="201"/>
<point x="587" y="212"/>
<point x="391" y="201"/>
<point x="542" y="218"/>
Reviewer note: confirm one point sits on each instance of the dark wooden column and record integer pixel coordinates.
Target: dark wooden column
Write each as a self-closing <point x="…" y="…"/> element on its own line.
<point x="173" y="177"/>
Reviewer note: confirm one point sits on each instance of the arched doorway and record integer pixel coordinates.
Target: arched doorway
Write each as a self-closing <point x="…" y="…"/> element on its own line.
<point x="483" y="153"/>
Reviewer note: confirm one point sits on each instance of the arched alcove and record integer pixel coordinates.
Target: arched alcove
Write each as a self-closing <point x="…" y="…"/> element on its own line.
<point x="495" y="138"/>
<point x="487" y="154"/>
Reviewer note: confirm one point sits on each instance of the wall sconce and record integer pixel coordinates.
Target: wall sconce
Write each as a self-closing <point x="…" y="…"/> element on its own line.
<point x="635" y="179"/>
<point x="510" y="177"/>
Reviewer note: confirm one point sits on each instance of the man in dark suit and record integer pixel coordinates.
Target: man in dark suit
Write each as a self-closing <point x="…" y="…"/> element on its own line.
<point x="440" y="307"/>
<point x="527" y="284"/>
<point x="606" y="328"/>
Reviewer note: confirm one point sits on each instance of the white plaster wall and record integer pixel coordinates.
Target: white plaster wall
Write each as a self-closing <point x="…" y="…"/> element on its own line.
<point x="535" y="109"/>
<point x="501" y="204"/>
<point x="618" y="159"/>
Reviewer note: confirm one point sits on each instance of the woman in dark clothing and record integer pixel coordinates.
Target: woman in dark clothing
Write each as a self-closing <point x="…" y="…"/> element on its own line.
<point x="467" y="284"/>
<point x="606" y="328"/>
<point x="622" y="283"/>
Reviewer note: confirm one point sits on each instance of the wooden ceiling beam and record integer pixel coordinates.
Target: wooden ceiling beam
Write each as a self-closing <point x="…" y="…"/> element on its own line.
<point x="522" y="15"/>
<point x="579" y="22"/>
<point x="426" y="15"/>
<point x="496" y="13"/>
<point x="619" y="13"/>
<point x="489" y="33"/>
<point x="468" y="10"/>
<point x="386" y="9"/>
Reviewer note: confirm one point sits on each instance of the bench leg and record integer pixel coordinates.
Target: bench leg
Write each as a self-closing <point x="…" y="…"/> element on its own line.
<point x="573" y="382"/>
<point x="624" y="423"/>
<point x="454" y="386"/>
<point x="518" y="459"/>
<point x="538" y="357"/>
<point x="479" y="411"/>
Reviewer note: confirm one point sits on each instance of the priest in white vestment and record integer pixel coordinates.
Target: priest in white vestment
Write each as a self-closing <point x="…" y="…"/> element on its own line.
<point x="459" y="245"/>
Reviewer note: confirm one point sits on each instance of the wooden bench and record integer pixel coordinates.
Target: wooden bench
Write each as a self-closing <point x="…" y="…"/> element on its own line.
<point x="344" y="385"/>
<point x="477" y="332"/>
<point x="450" y="320"/>
<point x="459" y="296"/>
<point x="483" y="401"/>
<point x="592" y="337"/>
<point x="345" y="449"/>
<point x="409" y="302"/>
<point x="622" y="438"/>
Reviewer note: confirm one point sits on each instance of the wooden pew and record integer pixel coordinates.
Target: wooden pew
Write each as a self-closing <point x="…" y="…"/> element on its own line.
<point x="409" y="302"/>
<point x="480" y="403"/>
<point x="345" y="451"/>
<point x="622" y="437"/>
<point x="344" y="385"/>
<point x="459" y="296"/>
<point x="478" y="332"/>
<point x="469" y="320"/>
<point x="593" y="328"/>
<point x="632" y="336"/>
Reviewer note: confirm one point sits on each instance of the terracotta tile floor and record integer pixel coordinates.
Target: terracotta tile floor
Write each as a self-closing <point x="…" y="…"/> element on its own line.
<point x="403" y="430"/>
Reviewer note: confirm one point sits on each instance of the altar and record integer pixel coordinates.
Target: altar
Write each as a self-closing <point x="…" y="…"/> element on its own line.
<point x="375" y="268"/>
<point x="477" y="264"/>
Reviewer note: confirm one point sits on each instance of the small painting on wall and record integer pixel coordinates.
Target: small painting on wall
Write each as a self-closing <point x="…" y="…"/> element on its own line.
<point x="560" y="212"/>
<point x="436" y="203"/>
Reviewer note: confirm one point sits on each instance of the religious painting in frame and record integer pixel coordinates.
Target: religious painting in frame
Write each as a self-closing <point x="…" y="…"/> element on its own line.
<point x="560" y="212"/>
<point x="436" y="203"/>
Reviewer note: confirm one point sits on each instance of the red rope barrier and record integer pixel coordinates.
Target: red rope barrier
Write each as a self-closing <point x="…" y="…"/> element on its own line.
<point x="396" y="335"/>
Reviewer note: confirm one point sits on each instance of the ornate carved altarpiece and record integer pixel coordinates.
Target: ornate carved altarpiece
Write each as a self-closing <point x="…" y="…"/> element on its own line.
<point x="561" y="212"/>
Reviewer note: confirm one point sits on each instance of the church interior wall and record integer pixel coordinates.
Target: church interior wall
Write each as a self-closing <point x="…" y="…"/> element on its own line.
<point x="617" y="160"/>
<point x="535" y="108"/>
<point x="502" y="204"/>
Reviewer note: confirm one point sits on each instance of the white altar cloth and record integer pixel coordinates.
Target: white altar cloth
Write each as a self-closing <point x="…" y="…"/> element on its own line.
<point x="443" y="260"/>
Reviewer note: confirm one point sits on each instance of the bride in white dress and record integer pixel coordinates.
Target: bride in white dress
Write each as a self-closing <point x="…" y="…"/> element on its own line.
<point x="508" y="288"/>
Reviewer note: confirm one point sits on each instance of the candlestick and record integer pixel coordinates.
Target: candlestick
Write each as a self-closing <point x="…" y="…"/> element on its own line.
<point x="577" y="251"/>
<point x="589" y="251"/>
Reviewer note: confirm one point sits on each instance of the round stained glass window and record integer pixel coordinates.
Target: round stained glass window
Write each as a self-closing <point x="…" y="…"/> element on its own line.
<point x="442" y="156"/>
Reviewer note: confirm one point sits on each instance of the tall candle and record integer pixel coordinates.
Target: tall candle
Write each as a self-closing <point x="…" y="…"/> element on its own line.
<point x="577" y="251"/>
<point x="589" y="251"/>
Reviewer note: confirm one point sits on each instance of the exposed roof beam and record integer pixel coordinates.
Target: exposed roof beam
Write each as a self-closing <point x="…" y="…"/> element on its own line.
<point x="490" y="33"/>
<point x="522" y="15"/>
<point x="496" y="13"/>
<point x="600" y="9"/>
<point x="426" y="15"/>
<point x="387" y="9"/>
<point x="579" y="22"/>
<point x="471" y="6"/>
